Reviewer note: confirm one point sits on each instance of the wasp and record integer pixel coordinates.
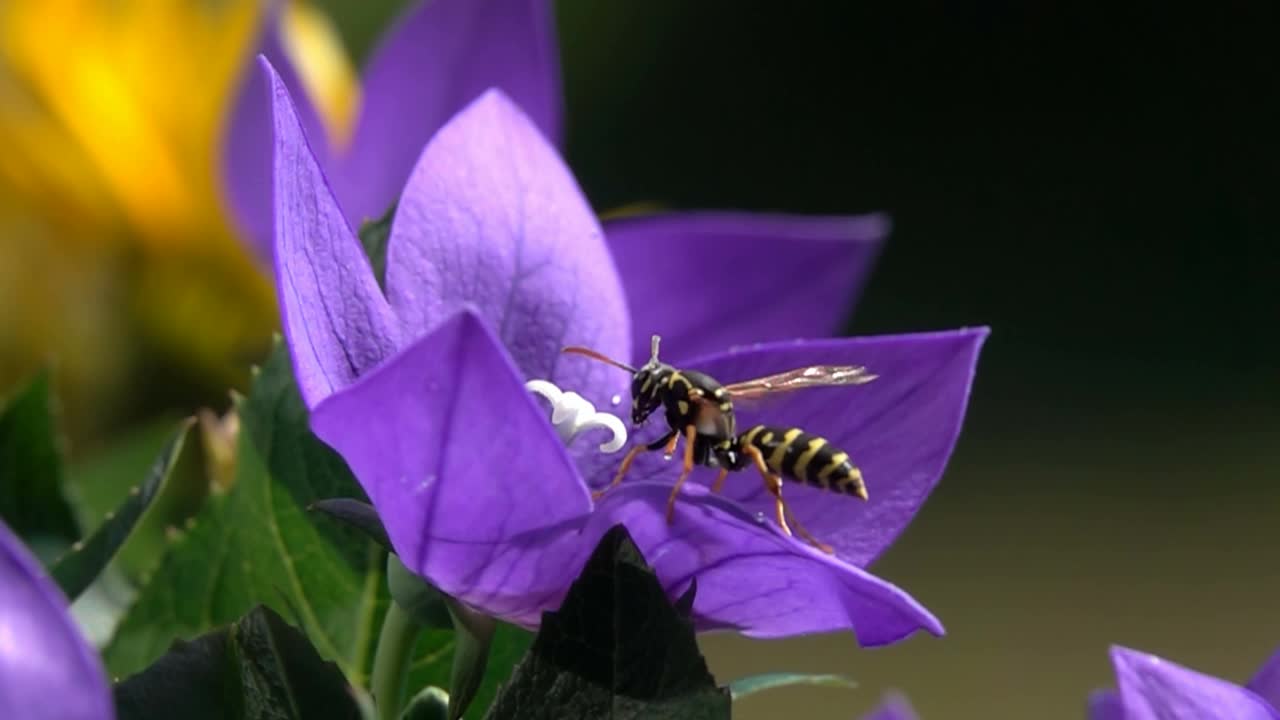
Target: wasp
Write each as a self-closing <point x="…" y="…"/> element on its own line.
<point x="699" y="409"/>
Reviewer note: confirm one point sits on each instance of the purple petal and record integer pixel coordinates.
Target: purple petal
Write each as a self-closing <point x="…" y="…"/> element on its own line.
<point x="47" y="670"/>
<point x="337" y="323"/>
<point x="246" y="146"/>
<point x="898" y="429"/>
<point x="1105" y="705"/>
<point x="751" y="577"/>
<point x="894" y="707"/>
<point x="492" y="218"/>
<point x="454" y="453"/>
<point x="708" y="281"/>
<point x="1156" y="689"/>
<point x="441" y="56"/>
<point x="1267" y="682"/>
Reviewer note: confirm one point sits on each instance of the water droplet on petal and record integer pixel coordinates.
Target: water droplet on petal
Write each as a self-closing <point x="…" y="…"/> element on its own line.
<point x="666" y="456"/>
<point x="760" y="518"/>
<point x="615" y="400"/>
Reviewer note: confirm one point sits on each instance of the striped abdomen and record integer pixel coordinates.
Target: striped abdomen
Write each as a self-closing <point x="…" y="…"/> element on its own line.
<point x="800" y="456"/>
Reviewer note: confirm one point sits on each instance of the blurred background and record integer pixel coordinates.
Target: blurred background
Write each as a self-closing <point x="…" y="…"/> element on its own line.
<point x="1095" y="183"/>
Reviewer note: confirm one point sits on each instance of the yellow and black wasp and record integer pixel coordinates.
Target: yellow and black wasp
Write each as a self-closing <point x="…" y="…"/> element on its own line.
<point x="700" y="409"/>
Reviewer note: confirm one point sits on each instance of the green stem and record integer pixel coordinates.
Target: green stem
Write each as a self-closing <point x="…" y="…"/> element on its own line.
<point x="391" y="661"/>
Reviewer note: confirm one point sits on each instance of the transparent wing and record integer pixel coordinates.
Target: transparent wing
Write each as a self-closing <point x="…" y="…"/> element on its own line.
<point x="799" y="379"/>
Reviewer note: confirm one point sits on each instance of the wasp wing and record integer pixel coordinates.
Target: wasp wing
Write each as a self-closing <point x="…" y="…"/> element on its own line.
<point x="799" y="379"/>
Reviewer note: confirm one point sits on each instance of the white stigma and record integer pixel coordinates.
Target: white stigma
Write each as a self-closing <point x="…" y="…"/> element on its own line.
<point x="571" y="414"/>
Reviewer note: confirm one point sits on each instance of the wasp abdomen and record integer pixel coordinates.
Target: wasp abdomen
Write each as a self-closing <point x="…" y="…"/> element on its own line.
<point x="806" y="458"/>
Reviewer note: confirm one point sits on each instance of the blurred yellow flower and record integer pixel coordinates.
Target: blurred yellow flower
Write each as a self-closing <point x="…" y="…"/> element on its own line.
<point x="117" y="259"/>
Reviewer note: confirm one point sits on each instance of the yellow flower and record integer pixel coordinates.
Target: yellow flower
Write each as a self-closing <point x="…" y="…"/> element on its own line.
<point x="117" y="259"/>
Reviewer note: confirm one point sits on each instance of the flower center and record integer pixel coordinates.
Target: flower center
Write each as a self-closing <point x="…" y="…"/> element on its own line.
<point x="571" y="414"/>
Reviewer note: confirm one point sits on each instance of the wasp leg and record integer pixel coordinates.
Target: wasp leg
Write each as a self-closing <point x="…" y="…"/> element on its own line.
<point x="670" y="448"/>
<point x="667" y="441"/>
<point x="719" y="484"/>
<point x="690" y="434"/>
<point x="802" y="532"/>
<point x="773" y="483"/>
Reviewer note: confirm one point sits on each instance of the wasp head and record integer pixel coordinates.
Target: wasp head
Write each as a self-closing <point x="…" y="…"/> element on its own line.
<point x="646" y="386"/>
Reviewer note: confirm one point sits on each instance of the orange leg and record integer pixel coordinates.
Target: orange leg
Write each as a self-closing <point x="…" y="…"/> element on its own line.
<point x="719" y="484"/>
<point x="690" y="434"/>
<point x="670" y="449"/>
<point x="773" y="484"/>
<point x="622" y="470"/>
<point x="809" y="538"/>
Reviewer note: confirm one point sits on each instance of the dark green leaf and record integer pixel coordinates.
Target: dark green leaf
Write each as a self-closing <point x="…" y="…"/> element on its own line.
<point x="261" y="667"/>
<point x="358" y="514"/>
<point x="31" y="474"/>
<point x="616" y="648"/>
<point x="86" y="560"/>
<point x="373" y="236"/>
<point x="684" y="603"/>
<point x="752" y="684"/>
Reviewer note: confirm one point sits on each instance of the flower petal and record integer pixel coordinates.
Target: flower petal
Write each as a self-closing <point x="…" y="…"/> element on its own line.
<point x="1105" y="705"/>
<point x="1156" y="689"/>
<point x="455" y="455"/>
<point x="335" y="318"/>
<point x="47" y="670"/>
<point x="439" y="57"/>
<point x="894" y="707"/>
<point x="492" y="218"/>
<point x="899" y="429"/>
<point x="247" y="143"/>
<point x="1267" y="681"/>
<point x="752" y="578"/>
<point x="707" y="281"/>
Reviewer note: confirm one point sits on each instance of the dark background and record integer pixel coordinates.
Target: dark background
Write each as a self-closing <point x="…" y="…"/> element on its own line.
<point x="1097" y="184"/>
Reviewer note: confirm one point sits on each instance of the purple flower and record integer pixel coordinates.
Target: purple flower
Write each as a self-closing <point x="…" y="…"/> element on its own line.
<point x="1152" y="688"/>
<point x="442" y="55"/>
<point x="894" y="707"/>
<point x="494" y="263"/>
<point x="46" y="668"/>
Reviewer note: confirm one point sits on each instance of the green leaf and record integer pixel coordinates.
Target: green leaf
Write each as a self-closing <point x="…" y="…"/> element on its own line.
<point x="422" y="601"/>
<point x="86" y="560"/>
<point x="473" y="636"/>
<point x="260" y="667"/>
<point x="450" y="642"/>
<point x="31" y="474"/>
<point x="430" y="704"/>
<point x="373" y="236"/>
<point x="752" y="684"/>
<point x="98" y="482"/>
<point x="259" y="544"/>
<point x="433" y="663"/>
<point x="616" y="648"/>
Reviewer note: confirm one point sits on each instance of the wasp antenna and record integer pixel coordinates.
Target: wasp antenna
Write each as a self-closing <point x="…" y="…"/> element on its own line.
<point x="578" y="350"/>
<point x="653" y="348"/>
